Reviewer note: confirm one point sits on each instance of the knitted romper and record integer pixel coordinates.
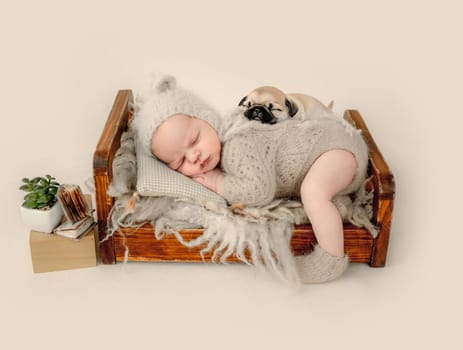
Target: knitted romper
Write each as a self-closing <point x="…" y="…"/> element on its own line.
<point x="265" y="162"/>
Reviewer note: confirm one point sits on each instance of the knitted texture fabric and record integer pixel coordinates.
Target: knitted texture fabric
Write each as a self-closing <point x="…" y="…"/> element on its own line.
<point x="265" y="162"/>
<point x="319" y="266"/>
<point x="162" y="100"/>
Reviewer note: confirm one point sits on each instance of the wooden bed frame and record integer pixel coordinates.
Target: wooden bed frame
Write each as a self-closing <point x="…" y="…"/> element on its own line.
<point x="143" y="246"/>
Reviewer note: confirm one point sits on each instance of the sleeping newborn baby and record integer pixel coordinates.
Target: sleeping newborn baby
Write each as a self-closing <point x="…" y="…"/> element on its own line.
<point x="313" y="160"/>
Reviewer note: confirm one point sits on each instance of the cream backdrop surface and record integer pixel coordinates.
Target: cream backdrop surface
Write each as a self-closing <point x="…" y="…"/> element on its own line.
<point x="398" y="62"/>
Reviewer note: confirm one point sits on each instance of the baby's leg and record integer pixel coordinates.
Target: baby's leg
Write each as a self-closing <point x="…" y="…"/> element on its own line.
<point x="331" y="173"/>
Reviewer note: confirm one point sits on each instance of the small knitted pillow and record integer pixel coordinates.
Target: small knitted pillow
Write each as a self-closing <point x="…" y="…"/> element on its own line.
<point x="154" y="178"/>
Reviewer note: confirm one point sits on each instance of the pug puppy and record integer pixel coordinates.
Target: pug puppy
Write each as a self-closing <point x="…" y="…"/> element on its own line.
<point x="269" y="105"/>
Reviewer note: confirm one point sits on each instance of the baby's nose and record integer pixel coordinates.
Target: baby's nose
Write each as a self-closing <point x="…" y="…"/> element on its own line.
<point x="195" y="155"/>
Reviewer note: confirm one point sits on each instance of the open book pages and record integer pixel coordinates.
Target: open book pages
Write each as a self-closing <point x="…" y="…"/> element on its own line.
<point x="77" y="212"/>
<point x="74" y="205"/>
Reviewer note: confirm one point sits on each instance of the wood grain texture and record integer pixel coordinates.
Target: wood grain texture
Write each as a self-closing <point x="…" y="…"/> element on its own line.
<point x="103" y="157"/>
<point x="381" y="242"/>
<point x="384" y="191"/>
<point x="143" y="246"/>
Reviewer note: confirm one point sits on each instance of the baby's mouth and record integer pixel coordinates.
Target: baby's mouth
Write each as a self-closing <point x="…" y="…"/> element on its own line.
<point x="205" y="162"/>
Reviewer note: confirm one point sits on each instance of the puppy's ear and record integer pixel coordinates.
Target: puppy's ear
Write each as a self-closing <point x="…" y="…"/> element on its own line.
<point x="292" y="108"/>
<point x="242" y="101"/>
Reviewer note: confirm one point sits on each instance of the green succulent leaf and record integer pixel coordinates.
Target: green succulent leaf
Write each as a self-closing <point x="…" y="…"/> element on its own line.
<point x="32" y="195"/>
<point x="30" y="205"/>
<point x="25" y="187"/>
<point x="41" y="191"/>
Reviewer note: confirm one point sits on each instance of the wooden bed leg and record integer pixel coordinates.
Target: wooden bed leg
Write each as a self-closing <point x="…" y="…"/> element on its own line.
<point x="381" y="242"/>
<point x="107" y="255"/>
<point x="104" y="203"/>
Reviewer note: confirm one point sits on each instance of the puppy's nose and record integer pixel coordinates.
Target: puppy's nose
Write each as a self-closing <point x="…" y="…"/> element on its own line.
<point x="256" y="113"/>
<point x="260" y="113"/>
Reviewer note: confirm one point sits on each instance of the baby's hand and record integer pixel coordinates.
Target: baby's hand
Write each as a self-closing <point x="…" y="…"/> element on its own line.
<point x="211" y="179"/>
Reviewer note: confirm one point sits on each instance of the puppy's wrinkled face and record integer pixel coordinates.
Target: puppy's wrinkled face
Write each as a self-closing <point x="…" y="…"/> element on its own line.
<point x="265" y="104"/>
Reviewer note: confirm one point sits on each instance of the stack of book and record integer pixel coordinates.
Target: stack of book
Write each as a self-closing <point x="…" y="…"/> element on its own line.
<point x="78" y="214"/>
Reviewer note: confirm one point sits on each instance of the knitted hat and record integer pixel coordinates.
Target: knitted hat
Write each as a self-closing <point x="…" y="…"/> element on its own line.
<point x="162" y="100"/>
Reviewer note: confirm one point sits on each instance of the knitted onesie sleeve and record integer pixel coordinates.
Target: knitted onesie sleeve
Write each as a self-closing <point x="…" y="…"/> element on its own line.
<point x="249" y="175"/>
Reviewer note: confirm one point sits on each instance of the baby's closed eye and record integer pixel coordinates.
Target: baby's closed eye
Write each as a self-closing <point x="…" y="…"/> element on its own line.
<point x="195" y="139"/>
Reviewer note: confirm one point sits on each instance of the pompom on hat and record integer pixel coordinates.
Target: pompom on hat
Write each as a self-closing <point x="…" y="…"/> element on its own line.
<point x="162" y="100"/>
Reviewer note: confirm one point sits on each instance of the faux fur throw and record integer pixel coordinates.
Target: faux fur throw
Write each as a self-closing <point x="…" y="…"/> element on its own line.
<point x="263" y="232"/>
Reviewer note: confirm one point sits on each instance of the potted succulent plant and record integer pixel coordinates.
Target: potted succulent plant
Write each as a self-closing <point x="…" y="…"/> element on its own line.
<point x="41" y="210"/>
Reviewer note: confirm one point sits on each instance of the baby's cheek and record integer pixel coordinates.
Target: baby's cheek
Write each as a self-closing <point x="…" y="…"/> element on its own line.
<point x="188" y="171"/>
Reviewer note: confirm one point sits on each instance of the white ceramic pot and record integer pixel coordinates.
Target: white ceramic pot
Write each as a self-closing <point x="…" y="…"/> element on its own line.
<point x="42" y="220"/>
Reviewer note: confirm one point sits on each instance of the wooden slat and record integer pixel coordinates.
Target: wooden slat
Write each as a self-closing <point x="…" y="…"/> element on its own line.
<point x="143" y="246"/>
<point x="110" y="138"/>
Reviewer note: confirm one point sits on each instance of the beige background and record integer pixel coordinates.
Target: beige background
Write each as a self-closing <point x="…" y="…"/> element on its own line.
<point x="398" y="62"/>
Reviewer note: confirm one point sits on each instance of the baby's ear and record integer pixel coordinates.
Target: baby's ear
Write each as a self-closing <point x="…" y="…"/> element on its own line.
<point x="163" y="83"/>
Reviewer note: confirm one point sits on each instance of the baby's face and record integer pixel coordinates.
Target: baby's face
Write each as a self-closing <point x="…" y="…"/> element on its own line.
<point x="188" y="145"/>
